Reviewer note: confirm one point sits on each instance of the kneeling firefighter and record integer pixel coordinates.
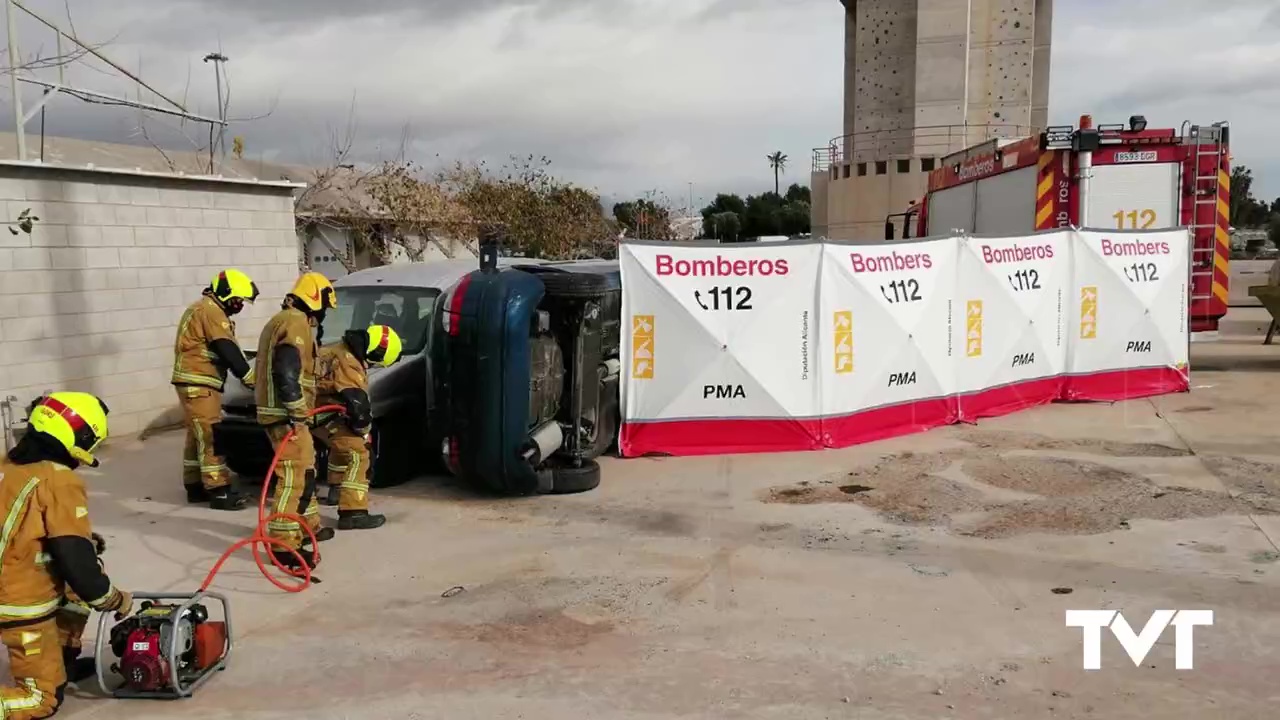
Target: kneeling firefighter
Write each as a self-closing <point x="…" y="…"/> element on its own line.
<point x="204" y="351"/>
<point x="285" y="394"/>
<point x="47" y="548"/>
<point x="344" y="380"/>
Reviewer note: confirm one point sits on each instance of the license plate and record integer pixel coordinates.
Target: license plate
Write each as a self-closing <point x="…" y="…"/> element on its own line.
<point x="1136" y="157"/>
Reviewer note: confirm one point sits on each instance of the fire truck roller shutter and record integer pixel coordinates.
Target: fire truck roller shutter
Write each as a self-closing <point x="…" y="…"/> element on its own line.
<point x="1138" y="196"/>
<point x="952" y="209"/>
<point x="1006" y="203"/>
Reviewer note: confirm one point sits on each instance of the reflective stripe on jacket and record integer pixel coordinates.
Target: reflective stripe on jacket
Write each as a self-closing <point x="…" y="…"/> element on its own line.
<point x="287" y="327"/>
<point x="195" y="362"/>
<point x="38" y="501"/>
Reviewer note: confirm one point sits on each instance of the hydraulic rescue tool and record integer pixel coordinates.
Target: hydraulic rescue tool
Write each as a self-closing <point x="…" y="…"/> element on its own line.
<point x="170" y="645"/>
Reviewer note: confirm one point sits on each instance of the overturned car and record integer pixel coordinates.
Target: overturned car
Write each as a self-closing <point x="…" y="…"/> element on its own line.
<point x="464" y="389"/>
<point x="405" y="397"/>
<point x="532" y="353"/>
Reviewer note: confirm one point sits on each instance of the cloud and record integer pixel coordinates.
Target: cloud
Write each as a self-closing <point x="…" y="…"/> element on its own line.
<point x="625" y="95"/>
<point x="1172" y="60"/>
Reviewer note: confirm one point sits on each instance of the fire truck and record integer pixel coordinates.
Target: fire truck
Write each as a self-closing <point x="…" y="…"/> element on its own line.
<point x="1125" y="176"/>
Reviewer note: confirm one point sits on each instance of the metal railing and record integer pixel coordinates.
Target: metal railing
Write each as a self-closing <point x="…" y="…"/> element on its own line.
<point x="928" y="140"/>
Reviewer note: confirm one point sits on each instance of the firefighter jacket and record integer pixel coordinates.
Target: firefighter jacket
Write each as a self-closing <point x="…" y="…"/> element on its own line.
<point x="286" y="367"/>
<point x="206" y="347"/>
<point x="344" y="380"/>
<point x="46" y="544"/>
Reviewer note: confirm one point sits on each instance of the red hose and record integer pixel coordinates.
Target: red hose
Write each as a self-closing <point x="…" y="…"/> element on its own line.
<point x="259" y="538"/>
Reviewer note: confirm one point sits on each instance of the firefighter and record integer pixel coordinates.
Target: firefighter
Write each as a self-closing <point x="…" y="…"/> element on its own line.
<point x="344" y="381"/>
<point x="204" y="351"/>
<point x="47" y="548"/>
<point x="286" y="364"/>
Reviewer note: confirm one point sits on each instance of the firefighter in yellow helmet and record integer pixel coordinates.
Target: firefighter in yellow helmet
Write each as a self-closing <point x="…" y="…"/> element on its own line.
<point x="204" y="351"/>
<point x="344" y="380"/>
<point x="285" y="394"/>
<point x="47" y="548"/>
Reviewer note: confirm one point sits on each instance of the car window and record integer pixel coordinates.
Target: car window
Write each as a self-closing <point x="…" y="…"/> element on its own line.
<point x="407" y="310"/>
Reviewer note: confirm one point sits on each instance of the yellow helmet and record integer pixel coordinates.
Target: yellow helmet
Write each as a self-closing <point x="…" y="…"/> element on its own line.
<point x="315" y="291"/>
<point x="77" y="420"/>
<point x="230" y="284"/>
<point x="384" y="345"/>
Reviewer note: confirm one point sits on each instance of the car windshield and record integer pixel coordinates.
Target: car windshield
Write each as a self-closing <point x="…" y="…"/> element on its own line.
<point x="408" y="311"/>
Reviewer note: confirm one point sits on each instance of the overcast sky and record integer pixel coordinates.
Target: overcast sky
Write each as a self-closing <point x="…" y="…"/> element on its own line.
<point x="626" y="95"/>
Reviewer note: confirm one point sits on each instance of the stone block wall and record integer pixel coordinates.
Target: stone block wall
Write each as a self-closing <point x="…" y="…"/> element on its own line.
<point x="90" y="300"/>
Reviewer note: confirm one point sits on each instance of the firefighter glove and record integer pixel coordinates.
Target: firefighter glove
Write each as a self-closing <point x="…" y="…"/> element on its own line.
<point x="125" y="608"/>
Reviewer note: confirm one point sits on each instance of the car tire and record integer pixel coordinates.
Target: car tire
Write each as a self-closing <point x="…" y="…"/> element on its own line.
<point x="567" y="479"/>
<point x="574" y="285"/>
<point x="391" y="455"/>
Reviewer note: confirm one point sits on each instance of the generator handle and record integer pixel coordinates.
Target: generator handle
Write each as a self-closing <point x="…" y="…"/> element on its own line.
<point x="171" y="653"/>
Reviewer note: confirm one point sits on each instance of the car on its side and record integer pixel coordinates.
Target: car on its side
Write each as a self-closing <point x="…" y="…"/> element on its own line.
<point x="532" y="365"/>
<point x="408" y="416"/>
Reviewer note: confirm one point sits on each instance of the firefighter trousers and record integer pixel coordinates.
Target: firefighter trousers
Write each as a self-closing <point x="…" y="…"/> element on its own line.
<point x="293" y="485"/>
<point x="201" y="411"/>
<point x="348" y="464"/>
<point x="39" y="676"/>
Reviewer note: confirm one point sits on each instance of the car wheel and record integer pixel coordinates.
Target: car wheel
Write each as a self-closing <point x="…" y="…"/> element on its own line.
<point x="566" y="479"/>
<point x="390" y="457"/>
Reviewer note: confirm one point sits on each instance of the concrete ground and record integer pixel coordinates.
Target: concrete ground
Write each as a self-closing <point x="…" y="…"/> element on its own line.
<point x="912" y="578"/>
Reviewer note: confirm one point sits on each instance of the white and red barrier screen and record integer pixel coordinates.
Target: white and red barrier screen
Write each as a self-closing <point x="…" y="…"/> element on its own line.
<point x="1009" y="335"/>
<point x="719" y="354"/>
<point x="797" y="346"/>
<point x="886" y="312"/>
<point x="1128" y="315"/>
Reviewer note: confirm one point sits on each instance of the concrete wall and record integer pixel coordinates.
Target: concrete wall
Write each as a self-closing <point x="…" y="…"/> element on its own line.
<point x="856" y="206"/>
<point x="818" y="193"/>
<point x="923" y="79"/>
<point x="884" y="69"/>
<point x="91" y="298"/>
<point x="1041" y="64"/>
<point x="942" y="47"/>
<point x="1001" y="53"/>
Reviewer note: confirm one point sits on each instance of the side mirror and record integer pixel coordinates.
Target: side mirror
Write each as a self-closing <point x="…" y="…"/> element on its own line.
<point x="888" y="230"/>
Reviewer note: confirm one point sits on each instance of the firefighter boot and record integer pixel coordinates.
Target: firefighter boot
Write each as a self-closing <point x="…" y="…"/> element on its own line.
<point x="227" y="498"/>
<point x="359" y="520"/>
<point x="77" y="668"/>
<point x="197" y="495"/>
<point x="287" y="559"/>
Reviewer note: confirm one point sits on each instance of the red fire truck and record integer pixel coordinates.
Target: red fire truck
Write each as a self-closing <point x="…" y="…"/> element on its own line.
<point x="1121" y="176"/>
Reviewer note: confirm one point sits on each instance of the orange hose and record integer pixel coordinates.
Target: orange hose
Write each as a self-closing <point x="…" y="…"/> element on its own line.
<point x="259" y="539"/>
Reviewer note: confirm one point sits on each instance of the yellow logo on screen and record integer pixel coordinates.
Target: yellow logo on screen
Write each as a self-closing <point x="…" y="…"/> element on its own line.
<point x="973" y="329"/>
<point x="642" y="327"/>
<point x="1088" y="312"/>
<point x="842" y="341"/>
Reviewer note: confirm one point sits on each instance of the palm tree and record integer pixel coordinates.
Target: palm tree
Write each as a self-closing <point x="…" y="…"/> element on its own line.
<point x="777" y="161"/>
